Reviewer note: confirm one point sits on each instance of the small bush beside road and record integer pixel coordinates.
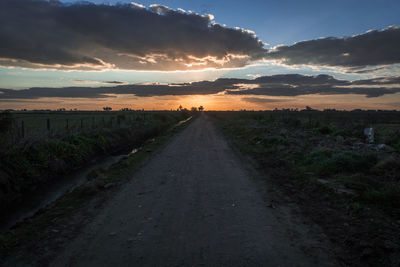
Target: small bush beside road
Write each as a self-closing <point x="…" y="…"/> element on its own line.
<point x="323" y="162"/>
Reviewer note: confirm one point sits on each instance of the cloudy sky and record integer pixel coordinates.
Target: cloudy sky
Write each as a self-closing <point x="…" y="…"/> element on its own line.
<point x="221" y="54"/>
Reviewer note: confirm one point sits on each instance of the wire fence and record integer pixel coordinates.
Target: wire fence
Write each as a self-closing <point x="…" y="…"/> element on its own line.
<point x="23" y="126"/>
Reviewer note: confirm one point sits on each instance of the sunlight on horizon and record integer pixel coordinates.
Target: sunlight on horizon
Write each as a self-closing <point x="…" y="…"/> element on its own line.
<point x="211" y="102"/>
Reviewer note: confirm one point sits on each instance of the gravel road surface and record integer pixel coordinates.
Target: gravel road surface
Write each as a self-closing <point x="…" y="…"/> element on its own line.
<point x="196" y="203"/>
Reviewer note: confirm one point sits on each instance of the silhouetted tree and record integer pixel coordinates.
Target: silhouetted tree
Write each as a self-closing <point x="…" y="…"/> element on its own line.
<point x="309" y="108"/>
<point x="201" y="108"/>
<point x="107" y="108"/>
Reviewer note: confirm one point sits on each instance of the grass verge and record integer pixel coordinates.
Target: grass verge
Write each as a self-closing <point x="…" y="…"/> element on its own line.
<point x="349" y="188"/>
<point x="34" y="241"/>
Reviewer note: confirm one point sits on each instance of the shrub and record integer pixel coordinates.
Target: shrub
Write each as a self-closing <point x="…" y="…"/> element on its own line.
<point x="388" y="198"/>
<point x="388" y="167"/>
<point x="344" y="133"/>
<point x="328" y="162"/>
<point x="325" y="129"/>
<point x="292" y="122"/>
<point x="356" y="182"/>
<point x="317" y="156"/>
<point x="349" y="162"/>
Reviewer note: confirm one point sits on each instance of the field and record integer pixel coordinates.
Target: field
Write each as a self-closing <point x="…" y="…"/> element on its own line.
<point x="19" y="126"/>
<point x="38" y="148"/>
<point x="312" y="169"/>
<point x="324" y="163"/>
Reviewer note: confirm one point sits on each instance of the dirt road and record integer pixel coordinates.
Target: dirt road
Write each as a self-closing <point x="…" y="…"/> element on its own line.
<point x="196" y="203"/>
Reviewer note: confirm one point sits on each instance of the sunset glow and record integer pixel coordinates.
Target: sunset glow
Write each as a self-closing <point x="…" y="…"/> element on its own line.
<point x="178" y="44"/>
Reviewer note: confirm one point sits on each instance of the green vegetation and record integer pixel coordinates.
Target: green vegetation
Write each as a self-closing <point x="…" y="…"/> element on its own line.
<point x="21" y="241"/>
<point x="16" y="127"/>
<point x="325" y="146"/>
<point x="321" y="162"/>
<point x="26" y="165"/>
<point x="326" y="162"/>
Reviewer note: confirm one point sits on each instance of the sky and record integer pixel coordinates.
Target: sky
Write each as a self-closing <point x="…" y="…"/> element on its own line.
<point x="288" y="21"/>
<point x="147" y="54"/>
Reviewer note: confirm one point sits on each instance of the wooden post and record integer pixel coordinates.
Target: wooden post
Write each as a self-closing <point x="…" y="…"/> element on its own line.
<point x="22" y="129"/>
<point x="11" y="132"/>
<point x="81" y="124"/>
<point x="67" y="124"/>
<point x="48" y="125"/>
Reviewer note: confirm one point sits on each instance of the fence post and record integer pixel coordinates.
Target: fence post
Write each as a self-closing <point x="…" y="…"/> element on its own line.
<point x="81" y="124"/>
<point x="22" y="129"/>
<point x="93" y="122"/>
<point x="11" y="132"/>
<point x="48" y="124"/>
<point x="67" y="124"/>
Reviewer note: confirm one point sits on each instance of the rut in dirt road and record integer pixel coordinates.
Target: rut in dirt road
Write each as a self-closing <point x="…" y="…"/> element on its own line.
<point x="195" y="204"/>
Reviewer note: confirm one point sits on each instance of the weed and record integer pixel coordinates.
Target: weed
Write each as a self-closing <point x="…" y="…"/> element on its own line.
<point x="325" y="129"/>
<point x="388" y="198"/>
<point x="32" y="165"/>
<point x="356" y="182"/>
<point x="356" y="207"/>
<point x="327" y="162"/>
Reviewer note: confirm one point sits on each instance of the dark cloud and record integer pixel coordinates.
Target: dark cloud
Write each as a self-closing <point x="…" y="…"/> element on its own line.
<point x="289" y="90"/>
<point x="298" y="79"/>
<point x="295" y="84"/>
<point x="357" y="70"/>
<point x="276" y="85"/>
<point x="38" y="33"/>
<point x="98" y="82"/>
<point x="114" y="82"/>
<point x="258" y="100"/>
<point x="368" y="49"/>
<point x="197" y="88"/>
<point x="87" y="36"/>
<point x="378" y="81"/>
<point x="39" y="92"/>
